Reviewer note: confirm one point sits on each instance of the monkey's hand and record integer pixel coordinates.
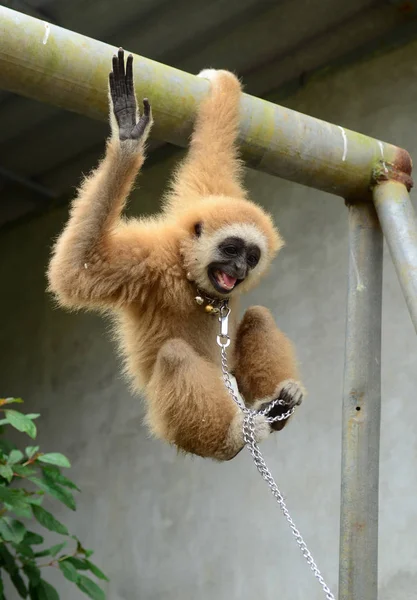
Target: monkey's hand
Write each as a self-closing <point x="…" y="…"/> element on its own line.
<point x="131" y="126"/>
<point x="290" y="393"/>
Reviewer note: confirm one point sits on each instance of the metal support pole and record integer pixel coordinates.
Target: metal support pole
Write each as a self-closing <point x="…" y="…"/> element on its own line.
<point x="54" y="65"/>
<point x="361" y="408"/>
<point x="399" y="224"/>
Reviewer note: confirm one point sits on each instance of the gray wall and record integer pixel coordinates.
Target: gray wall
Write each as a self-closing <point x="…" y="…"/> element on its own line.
<point x="168" y="527"/>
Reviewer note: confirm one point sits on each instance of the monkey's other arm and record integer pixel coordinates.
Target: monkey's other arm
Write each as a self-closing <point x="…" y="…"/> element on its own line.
<point x="98" y="255"/>
<point x="265" y="364"/>
<point x="212" y="165"/>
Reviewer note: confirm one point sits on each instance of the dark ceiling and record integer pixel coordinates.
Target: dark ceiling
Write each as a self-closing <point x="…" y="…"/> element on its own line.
<point x="273" y="45"/>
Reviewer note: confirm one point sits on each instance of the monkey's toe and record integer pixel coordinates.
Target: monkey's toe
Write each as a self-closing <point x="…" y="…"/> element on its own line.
<point x="291" y="393"/>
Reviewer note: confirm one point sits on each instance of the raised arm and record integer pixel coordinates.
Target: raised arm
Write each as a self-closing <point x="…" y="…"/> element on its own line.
<point x="98" y="255"/>
<point x="212" y="166"/>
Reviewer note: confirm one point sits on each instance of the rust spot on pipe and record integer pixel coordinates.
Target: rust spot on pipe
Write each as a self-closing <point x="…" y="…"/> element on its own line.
<point x="403" y="161"/>
<point x="399" y="171"/>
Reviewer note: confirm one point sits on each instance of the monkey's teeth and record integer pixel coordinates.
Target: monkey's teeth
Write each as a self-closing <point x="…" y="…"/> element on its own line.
<point x="225" y="280"/>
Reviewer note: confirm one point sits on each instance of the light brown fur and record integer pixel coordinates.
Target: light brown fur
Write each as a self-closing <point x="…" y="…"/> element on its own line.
<point x="137" y="269"/>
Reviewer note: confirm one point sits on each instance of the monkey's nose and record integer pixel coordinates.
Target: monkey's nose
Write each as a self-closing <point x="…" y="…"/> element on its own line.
<point x="241" y="270"/>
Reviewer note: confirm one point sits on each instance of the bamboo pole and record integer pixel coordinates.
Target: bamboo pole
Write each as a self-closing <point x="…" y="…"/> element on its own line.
<point x="50" y="64"/>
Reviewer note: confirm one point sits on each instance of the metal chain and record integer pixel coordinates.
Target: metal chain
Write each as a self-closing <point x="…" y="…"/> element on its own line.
<point x="223" y="341"/>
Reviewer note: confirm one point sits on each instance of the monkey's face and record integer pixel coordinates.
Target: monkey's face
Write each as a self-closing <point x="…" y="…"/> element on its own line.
<point x="231" y="258"/>
<point x="235" y="258"/>
<point x="226" y="244"/>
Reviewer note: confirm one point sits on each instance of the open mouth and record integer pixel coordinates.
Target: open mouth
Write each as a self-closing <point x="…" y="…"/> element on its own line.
<point x="223" y="282"/>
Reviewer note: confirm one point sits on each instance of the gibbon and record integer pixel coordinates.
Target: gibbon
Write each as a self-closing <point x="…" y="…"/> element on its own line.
<point x="161" y="278"/>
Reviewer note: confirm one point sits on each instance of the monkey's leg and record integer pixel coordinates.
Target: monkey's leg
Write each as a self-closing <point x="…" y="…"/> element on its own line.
<point x="212" y="165"/>
<point x="265" y="364"/>
<point x="190" y="407"/>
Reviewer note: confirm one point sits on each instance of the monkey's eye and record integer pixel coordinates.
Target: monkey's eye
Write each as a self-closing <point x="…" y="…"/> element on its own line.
<point x="253" y="260"/>
<point x="198" y="228"/>
<point x="230" y="250"/>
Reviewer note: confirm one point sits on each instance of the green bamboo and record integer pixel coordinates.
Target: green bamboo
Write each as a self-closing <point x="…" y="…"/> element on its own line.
<point x="60" y="67"/>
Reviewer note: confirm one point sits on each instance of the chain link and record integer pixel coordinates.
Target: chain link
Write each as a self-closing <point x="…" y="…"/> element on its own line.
<point x="251" y="443"/>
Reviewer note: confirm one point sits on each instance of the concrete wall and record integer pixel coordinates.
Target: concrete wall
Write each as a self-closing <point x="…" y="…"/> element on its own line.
<point x="168" y="527"/>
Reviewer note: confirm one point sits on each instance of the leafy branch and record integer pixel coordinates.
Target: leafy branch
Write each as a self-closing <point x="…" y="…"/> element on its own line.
<point x="38" y="475"/>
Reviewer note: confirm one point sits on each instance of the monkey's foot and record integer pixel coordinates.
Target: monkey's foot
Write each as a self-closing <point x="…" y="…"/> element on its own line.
<point x="290" y="393"/>
<point x="124" y="101"/>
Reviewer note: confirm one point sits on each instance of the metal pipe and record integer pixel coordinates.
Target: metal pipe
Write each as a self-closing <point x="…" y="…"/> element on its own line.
<point x="361" y="408"/>
<point x="50" y="64"/>
<point x="399" y="224"/>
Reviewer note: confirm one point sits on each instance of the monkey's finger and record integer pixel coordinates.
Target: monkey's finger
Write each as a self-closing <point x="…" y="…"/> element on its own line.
<point x="146" y="108"/>
<point x="140" y="127"/>
<point x="115" y="66"/>
<point x="292" y="395"/>
<point x="129" y="74"/>
<point x="121" y="59"/>
<point x="116" y="76"/>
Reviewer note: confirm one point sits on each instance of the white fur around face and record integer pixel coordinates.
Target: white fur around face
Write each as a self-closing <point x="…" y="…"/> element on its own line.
<point x="207" y="252"/>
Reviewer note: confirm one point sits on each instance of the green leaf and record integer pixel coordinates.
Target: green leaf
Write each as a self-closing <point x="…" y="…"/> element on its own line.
<point x="13" y="498"/>
<point x="4" y="422"/>
<point x="19" y="584"/>
<point x="69" y="571"/>
<point x="11" y="530"/>
<point x="32" y="538"/>
<point x="36" y="498"/>
<point x="31" y="451"/>
<point x="90" y="588"/>
<point x="45" y="591"/>
<point x="25" y="550"/>
<point x="15" y="456"/>
<point x="96" y="571"/>
<point x="53" y="489"/>
<point x="6" y="472"/>
<point x="7" y="560"/>
<point x="52" y="551"/>
<point x="21" y="422"/>
<point x="57" y="548"/>
<point x="23" y="512"/>
<point x="78" y="563"/>
<point x="33" y="415"/>
<point x="33" y="573"/>
<point x="47" y="520"/>
<point x="43" y="553"/>
<point x="53" y="474"/>
<point x="33" y="594"/>
<point x="55" y="458"/>
<point x="6" y="493"/>
<point x="24" y="471"/>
